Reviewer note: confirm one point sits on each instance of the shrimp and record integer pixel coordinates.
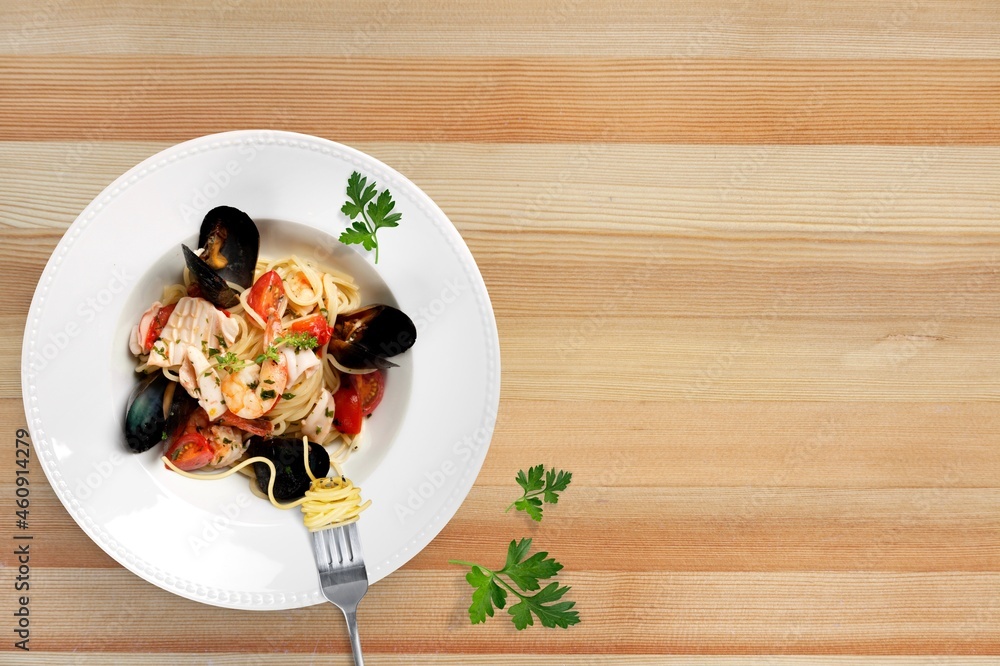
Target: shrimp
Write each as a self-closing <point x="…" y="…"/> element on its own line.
<point x="254" y="390"/>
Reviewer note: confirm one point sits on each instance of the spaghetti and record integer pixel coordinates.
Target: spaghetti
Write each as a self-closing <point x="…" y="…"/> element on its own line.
<point x="329" y="502"/>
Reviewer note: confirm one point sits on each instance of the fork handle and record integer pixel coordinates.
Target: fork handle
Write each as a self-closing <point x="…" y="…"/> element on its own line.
<point x="352" y="629"/>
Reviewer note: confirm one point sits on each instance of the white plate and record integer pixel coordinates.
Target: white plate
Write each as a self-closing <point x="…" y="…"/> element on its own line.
<point x="212" y="541"/>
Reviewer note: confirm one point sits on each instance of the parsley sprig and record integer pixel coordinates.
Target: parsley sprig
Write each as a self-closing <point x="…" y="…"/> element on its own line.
<point x="297" y="340"/>
<point x="229" y="361"/>
<point x="375" y="213"/>
<point x="491" y="589"/>
<point x="539" y="485"/>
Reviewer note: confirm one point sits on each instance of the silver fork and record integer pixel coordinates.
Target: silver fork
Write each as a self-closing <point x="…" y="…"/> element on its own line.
<point x="342" y="575"/>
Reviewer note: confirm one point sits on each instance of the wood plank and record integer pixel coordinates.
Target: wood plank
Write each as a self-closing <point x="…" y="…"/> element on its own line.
<point x="917" y="530"/>
<point x="678" y="613"/>
<point x="680" y="31"/>
<point x="218" y="659"/>
<point x="739" y="101"/>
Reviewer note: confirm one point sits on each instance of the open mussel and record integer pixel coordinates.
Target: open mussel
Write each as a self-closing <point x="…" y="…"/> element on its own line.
<point x="364" y="339"/>
<point x="292" y="480"/>
<point x="155" y="410"/>
<point x="230" y="240"/>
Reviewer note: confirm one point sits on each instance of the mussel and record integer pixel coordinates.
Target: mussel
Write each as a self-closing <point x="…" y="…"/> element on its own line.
<point x="231" y="241"/>
<point x="292" y="481"/>
<point x="364" y="339"/>
<point x="155" y="410"/>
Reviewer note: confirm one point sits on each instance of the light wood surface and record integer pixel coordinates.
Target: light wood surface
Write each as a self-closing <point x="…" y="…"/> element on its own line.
<point x="745" y="262"/>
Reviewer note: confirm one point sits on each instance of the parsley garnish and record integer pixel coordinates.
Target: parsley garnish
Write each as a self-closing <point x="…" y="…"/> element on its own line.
<point x="298" y="340"/>
<point x="491" y="589"/>
<point x="287" y="396"/>
<point x="374" y="214"/>
<point x="270" y="354"/>
<point x="267" y="394"/>
<point x="230" y="362"/>
<point x="222" y="341"/>
<point x="161" y="352"/>
<point x="539" y="482"/>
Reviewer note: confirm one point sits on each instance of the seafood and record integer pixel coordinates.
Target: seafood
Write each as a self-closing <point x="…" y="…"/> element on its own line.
<point x="363" y="340"/>
<point x="254" y="390"/>
<point x="194" y="322"/>
<point x="154" y="411"/>
<point x="291" y="481"/>
<point x="229" y="241"/>
<point x="202" y="383"/>
<point x="202" y="444"/>
<point x="319" y="422"/>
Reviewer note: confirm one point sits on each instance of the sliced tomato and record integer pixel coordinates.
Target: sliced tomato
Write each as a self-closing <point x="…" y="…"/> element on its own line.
<point x="266" y="294"/>
<point x="190" y="451"/>
<point x="314" y="325"/>
<point x="347" y="410"/>
<point x="370" y="387"/>
<point x="156" y="327"/>
<point x="261" y="427"/>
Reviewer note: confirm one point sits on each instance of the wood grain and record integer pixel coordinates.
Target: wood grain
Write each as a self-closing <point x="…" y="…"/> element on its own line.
<point x="924" y="102"/>
<point x="745" y="261"/>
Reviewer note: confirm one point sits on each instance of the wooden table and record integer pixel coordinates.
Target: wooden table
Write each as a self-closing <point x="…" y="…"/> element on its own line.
<point x="745" y="261"/>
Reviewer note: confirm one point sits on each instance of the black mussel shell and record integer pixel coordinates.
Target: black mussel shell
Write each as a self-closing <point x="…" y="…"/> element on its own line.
<point x="146" y="425"/>
<point x="286" y="454"/>
<point x="231" y="241"/>
<point x="364" y="339"/>
<point x="213" y="287"/>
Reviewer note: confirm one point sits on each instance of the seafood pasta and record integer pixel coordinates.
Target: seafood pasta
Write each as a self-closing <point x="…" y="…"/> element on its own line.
<point x="260" y="360"/>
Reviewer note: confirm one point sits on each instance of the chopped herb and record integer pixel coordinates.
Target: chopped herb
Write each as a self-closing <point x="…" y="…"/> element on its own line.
<point x="230" y="362"/>
<point x="267" y="394"/>
<point x="207" y="373"/>
<point x="163" y="435"/>
<point x="329" y="414"/>
<point x="159" y="351"/>
<point x="268" y="381"/>
<point x="212" y="351"/>
<point x="270" y="354"/>
<point x="298" y="341"/>
<point x="319" y="429"/>
<point x="222" y="342"/>
<point x="253" y="386"/>
<point x="287" y="396"/>
<point x="226" y="440"/>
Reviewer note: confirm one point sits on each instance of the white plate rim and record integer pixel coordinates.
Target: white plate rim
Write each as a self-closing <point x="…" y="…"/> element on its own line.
<point x="386" y="175"/>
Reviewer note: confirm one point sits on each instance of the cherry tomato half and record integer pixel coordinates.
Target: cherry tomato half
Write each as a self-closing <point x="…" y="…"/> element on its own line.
<point x="266" y="294"/>
<point x="370" y="387"/>
<point x="190" y="451"/>
<point x="314" y="325"/>
<point x="347" y="410"/>
<point x="156" y="327"/>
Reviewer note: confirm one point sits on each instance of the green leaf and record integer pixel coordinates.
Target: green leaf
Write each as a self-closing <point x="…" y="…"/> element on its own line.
<point x="537" y="567"/>
<point x="537" y="482"/>
<point x="374" y="209"/>
<point x="530" y="505"/>
<point x="556" y="483"/>
<point x="546" y="605"/>
<point x="543" y="605"/>
<point x="487" y="595"/>
<point x="516" y="552"/>
<point x="533" y="480"/>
